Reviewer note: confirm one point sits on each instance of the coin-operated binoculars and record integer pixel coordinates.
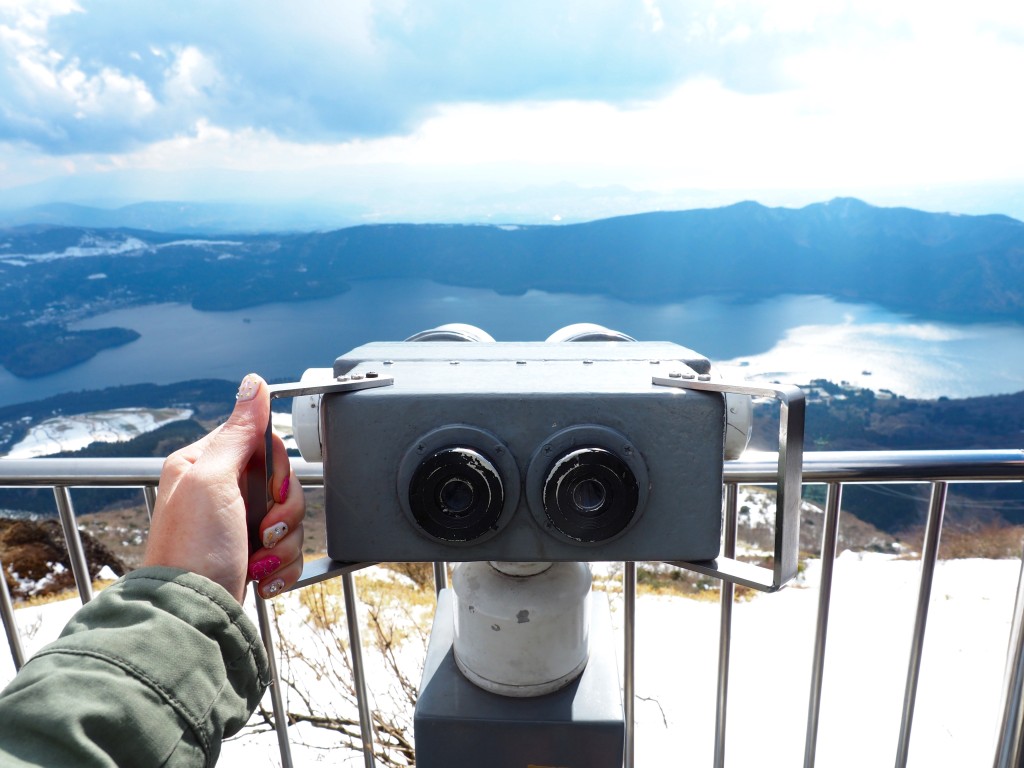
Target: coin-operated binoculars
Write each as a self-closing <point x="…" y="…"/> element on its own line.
<point x="523" y="462"/>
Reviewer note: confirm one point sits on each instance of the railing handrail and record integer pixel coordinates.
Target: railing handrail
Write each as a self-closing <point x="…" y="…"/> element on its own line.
<point x="755" y="467"/>
<point x="887" y="466"/>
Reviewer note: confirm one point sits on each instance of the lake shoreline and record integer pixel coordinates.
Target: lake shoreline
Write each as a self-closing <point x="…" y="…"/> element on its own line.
<point x="795" y="338"/>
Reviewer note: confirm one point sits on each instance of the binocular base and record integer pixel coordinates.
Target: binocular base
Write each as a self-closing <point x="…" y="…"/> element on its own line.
<point x="580" y="726"/>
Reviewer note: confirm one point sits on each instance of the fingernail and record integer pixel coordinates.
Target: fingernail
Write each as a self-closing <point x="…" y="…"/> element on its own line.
<point x="274" y="534"/>
<point x="282" y="495"/>
<point x="272" y="588"/>
<point x="248" y="388"/>
<point x="263" y="568"/>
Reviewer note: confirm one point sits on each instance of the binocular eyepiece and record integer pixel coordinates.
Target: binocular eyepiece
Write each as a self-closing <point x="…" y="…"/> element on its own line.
<point x="456" y="494"/>
<point x="590" y="494"/>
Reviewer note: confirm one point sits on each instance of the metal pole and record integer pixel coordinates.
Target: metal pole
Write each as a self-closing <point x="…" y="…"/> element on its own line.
<point x="830" y="535"/>
<point x="358" y="679"/>
<point x="818" y="467"/>
<point x="929" y="555"/>
<point x="76" y="554"/>
<point x="150" y="493"/>
<point x="628" y="679"/>
<point x="276" y="697"/>
<point x="725" y="628"/>
<point x="440" y="577"/>
<point x="10" y="625"/>
<point x="1010" y="742"/>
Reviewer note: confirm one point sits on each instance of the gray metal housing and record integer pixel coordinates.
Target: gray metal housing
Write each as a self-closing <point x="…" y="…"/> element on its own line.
<point x="523" y="395"/>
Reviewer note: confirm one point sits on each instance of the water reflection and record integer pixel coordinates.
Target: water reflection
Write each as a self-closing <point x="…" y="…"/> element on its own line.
<point x="790" y="337"/>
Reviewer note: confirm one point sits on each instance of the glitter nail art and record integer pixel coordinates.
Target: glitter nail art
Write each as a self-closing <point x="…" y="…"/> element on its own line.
<point x="248" y="388"/>
<point x="282" y="494"/>
<point x="274" y="534"/>
<point x="272" y="588"/>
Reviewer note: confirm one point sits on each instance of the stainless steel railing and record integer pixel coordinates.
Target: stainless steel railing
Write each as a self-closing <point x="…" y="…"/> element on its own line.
<point x="835" y="469"/>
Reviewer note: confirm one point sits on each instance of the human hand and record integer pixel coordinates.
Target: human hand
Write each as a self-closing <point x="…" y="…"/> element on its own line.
<point x="199" y="520"/>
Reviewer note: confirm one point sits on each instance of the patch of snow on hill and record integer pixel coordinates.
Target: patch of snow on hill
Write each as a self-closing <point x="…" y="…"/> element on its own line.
<point x="194" y="243"/>
<point x="91" y="245"/>
<point x="72" y="433"/>
<point x="36" y="586"/>
<point x="87" y="246"/>
<point x="756" y="509"/>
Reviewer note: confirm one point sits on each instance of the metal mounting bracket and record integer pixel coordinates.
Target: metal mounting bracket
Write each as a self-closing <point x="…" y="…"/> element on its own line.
<point x="789" y="477"/>
<point x="321" y="569"/>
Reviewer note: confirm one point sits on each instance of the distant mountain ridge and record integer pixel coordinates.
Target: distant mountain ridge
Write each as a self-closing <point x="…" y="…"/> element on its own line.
<point x="182" y="217"/>
<point x="932" y="265"/>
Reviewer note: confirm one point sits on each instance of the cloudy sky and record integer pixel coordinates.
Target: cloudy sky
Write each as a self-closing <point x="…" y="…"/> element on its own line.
<point x="537" y="109"/>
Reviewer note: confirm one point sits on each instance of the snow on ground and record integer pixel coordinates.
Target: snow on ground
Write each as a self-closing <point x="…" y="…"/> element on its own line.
<point x="92" y="245"/>
<point x="72" y="433"/>
<point x="89" y="245"/>
<point x="871" y="620"/>
<point x="873" y="604"/>
<point x="27" y="586"/>
<point x="198" y="243"/>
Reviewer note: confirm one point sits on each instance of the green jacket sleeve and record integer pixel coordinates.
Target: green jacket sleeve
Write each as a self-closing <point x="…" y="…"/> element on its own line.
<point x="154" y="671"/>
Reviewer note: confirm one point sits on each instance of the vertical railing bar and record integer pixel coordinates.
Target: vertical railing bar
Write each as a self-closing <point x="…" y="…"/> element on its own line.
<point x="628" y="672"/>
<point x="929" y="555"/>
<point x="276" y="695"/>
<point x="440" y="577"/>
<point x="10" y="624"/>
<point x="829" y="538"/>
<point x="358" y="678"/>
<point x="728" y="591"/>
<point x="76" y="554"/>
<point x="149" y="491"/>
<point x="1010" y="740"/>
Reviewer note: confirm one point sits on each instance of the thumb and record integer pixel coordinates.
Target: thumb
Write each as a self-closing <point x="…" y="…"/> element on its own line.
<point x="232" y="445"/>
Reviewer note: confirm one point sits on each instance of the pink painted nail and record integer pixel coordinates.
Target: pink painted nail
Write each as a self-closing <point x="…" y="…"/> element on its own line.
<point x="263" y="568"/>
<point x="248" y="388"/>
<point x="274" y="534"/>
<point x="282" y="495"/>
<point x="272" y="588"/>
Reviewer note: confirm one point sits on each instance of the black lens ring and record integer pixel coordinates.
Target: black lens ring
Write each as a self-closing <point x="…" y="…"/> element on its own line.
<point x="490" y="447"/>
<point x="562" y="443"/>
<point x="466" y="466"/>
<point x="619" y="488"/>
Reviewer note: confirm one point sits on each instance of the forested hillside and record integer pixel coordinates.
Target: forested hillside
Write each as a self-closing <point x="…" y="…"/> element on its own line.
<point x="849" y="419"/>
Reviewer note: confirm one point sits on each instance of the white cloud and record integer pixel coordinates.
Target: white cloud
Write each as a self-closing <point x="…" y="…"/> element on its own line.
<point x="654" y="12"/>
<point x="716" y="94"/>
<point x="191" y="75"/>
<point x="50" y="84"/>
<point x="33" y="16"/>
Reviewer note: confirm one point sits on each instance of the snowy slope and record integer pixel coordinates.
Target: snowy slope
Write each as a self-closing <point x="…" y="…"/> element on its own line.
<point x="72" y="433"/>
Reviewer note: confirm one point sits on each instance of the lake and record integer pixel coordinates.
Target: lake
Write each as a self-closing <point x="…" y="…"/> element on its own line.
<point x="792" y="338"/>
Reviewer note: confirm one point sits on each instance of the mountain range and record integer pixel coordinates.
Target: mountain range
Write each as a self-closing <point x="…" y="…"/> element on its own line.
<point x="929" y="265"/>
<point x="185" y="217"/>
